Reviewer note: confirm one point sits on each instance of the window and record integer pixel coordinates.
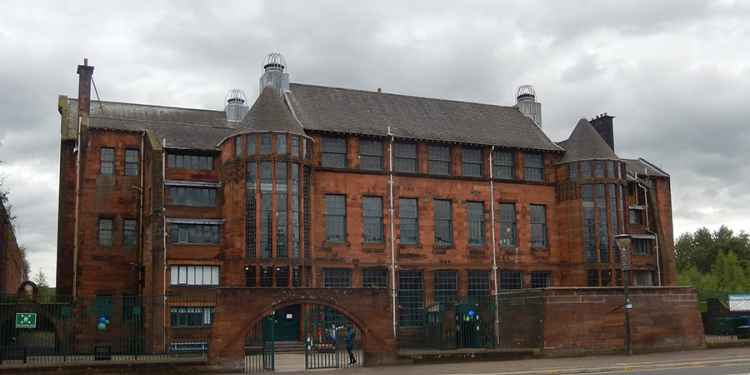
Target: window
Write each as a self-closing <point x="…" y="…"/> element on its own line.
<point x="572" y="171"/>
<point x="372" y="219"/>
<point x="266" y="277"/>
<point x="511" y="280"/>
<point x="443" y="222"/>
<point x="408" y="221"/>
<point x="445" y="287"/>
<point x="337" y="278"/>
<point x="606" y="277"/>
<point x="371" y="154"/>
<point x="282" y="277"/>
<point x="297" y="276"/>
<point x="533" y="167"/>
<point x="294" y="146"/>
<point x="611" y="171"/>
<point x="642" y="247"/>
<point x="238" y="146"/>
<point x="599" y="168"/>
<point x="129" y="233"/>
<point x="251" y="144"/>
<point x="612" y="191"/>
<point x="374" y="278"/>
<point x="250" y="276"/>
<point x="107" y="161"/>
<point x="195" y="162"/>
<point x="410" y="298"/>
<point x="405" y="157"/>
<point x="476" y="223"/>
<point x="600" y="202"/>
<point x="266" y="144"/>
<point x="635" y="216"/>
<point x="194" y="275"/>
<point x="592" y="278"/>
<point x="335" y="213"/>
<point x="508" y="231"/>
<point x="188" y="317"/>
<point x="471" y="162"/>
<point x="589" y="237"/>
<point x="266" y="209"/>
<point x="643" y="278"/>
<point x="282" y="247"/>
<point x="201" y="234"/>
<point x="105" y="232"/>
<point x="103" y="303"/>
<point x="586" y="168"/>
<point x="281" y="144"/>
<point x="439" y="160"/>
<point x="192" y="196"/>
<point x="538" y="226"/>
<point x="333" y="152"/>
<point x="541" y="279"/>
<point x="295" y="220"/>
<point x="131" y="162"/>
<point x="479" y="284"/>
<point x="502" y="165"/>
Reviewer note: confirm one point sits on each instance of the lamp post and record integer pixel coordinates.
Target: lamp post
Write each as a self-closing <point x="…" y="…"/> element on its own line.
<point x="623" y="243"/>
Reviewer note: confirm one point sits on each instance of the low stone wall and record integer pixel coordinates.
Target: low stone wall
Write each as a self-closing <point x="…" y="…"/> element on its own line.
<point x="591" y="320"/>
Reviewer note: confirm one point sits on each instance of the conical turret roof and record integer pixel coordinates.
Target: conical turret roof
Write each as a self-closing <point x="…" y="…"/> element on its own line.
<point x="270" y="113"/>
<point x="585" y="143"/>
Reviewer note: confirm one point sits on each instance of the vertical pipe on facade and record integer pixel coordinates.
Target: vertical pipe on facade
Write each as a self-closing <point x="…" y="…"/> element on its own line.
<point x="74" y="288"/>
<point x="140" y="214"/>
<point x="164" y="240"/>
<point x="392" y="234"/>
<point x="494" y="250"/>
<point x="656" y="236"/>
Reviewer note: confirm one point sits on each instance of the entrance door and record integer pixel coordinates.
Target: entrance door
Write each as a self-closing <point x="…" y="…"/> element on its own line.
<point x="287" y="323"/>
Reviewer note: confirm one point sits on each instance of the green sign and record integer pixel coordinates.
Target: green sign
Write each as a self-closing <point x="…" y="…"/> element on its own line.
<point x="25" y="320"/>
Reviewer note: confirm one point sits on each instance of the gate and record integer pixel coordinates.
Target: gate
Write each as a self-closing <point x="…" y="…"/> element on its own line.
<point x="452" y="325"/>
<point x="331" y="340"/>
<point x="260" y="353"/>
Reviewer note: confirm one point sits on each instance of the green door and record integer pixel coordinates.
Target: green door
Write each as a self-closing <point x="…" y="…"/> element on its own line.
<point x="287" y="323"/>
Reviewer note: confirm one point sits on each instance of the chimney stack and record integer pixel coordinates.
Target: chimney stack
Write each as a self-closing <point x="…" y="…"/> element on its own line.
<point x="604" y="126"/>
<point x="527" y="104"/>
<point x="85" y="72"/>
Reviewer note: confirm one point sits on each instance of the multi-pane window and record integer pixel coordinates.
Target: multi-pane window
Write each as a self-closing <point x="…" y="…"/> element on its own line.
<point x="612" y="192"/>
<point x="266" y="144"/>
<point x="471" y="162"/>
<point x="599" y="168"/>
<point x="250" y="277"/>
<point x="295" y="220"/>
<point x="479" y="284"/>
<point x="508" y="231"/>
<point x="237" y="146"/>
<point x="251" y="209"/>
<point x="502" y="165"/>
<point x="586" y="168"/>
<point x="129" y="232"/>
<point x="589" y="237"/>
<point x="192" y="196"/>
<point x="592" y="277"/>
<point x="294" y="146"/>
<point x="203" y="234"/>
<point x="439" y="160"/>
<point x="105" y="232"/>
<point x="281" y="210"/>
<point x="251" y="145"/>
<point x="476" y="223"/>
<point x="194" y="275"/>
<point x="333" y="152"/>
<point x="408" y="221"/>
<point x="282" y="277"/>
<point x="195" y="162"/>
<point x="541" y="279"/>
<point x="371" y="154"/>
<point x="635" y="216"/>
<point x="538" y="226"/>
<point x="443" y="222"/>
<point x="445" y="286"/>
<point x="405" y="157"/>
<point x="511" y="280"/>
<point x="337" y="278"/>
<point x="410" y="298"/>
<point x="281" y="144"/>
<point x="266" y="277"/>
<point x="297" y="276"/>
<point x="572" y="171"/>
<point x="266" y="209"/>
<point x="600" y="202"/>
<point x="533" y="167"/>
<point x="375" y="278"/>
<point x="372" y="219"/>
<point x="642" y="246"/>
<point x="611" y="172"/>
<point x="335" y="213"/>
<point x="191" y="316"/>
<point x="131" y="162"/>
<point x="643" y="278"/>
<point x="107" y="161"/>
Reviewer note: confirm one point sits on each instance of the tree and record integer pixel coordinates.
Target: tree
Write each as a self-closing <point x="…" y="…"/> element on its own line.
<point x="701" y="248"/>
<point x="40" y="279"/>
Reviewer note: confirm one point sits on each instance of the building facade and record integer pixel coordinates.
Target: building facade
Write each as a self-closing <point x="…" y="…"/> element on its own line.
<point x="318" y="187"/>
<point x="12" y="268"/>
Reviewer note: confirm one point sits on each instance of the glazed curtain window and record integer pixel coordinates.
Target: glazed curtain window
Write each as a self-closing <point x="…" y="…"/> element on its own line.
<point x="471" y="162"/>
<point x="250" y="144"/>
<point x="372" y="219"/>
<point x="445" y="287"/>
<point x="572" y="171"/>
<point x="281" y="144"/>
<point x="439" y="160"/>
<point x="266" y="144"/>
<point x="410" y="298"/>
<point x="297" y="276"/>
<point x="294" y="146"/>
<point x="541" y="279"/>
<point x="131" y="162"/>
<point x="192" y="196"/>
<point x="129" y="232"/>
<point x="282" y="277"/>
<point x="600" y="203"/>
<point x="281" y="210"/>
<point x="195" y="162"/>
<point x="635" y="216"/>
<point x="105" y="232"/>
<point x="194" y="275"/>
<point x="538" y="226"/>
<point x="408" y="221"/>
<point x="250" y="276"/>
<point x="475" y="212"/>
<point x="508" y="236"/>
<point x="333" y="152"/>
<point x="191" y="316"/>
<point x="589" y="236"/>
<point x="611" y="171"/>
<point x="511" y="280"/>
<point x="370" y="154"/>
<point x="238" y="146"/>
<point x="443" y="223"/>
<point x="335" y="213"/>
<point x="642" y="247"/>
<point x="586" y="168"/>
<point x="374" y="278"/>
<point x="502" y="165"/>
<point x="479" y="284"/>
<point x="533" y="167"/>
<point x="295" y="220"/>
<point x="266" y="277"/>
<point x="337" y="278"/>
<point x="107" y="161"/>
<point x="200" y="234"/>
<point x="598" y="168"/>
<point x="405" y="157"/>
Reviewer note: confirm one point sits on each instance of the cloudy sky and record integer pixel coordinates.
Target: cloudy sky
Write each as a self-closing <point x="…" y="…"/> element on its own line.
<point x="675" y="74"/>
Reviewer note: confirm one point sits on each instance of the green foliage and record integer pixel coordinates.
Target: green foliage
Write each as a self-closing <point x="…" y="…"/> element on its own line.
<point x="700" y="249"/>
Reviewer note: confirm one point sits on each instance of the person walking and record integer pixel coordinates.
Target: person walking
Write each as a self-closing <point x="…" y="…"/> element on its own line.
<point x="350" y="334"/>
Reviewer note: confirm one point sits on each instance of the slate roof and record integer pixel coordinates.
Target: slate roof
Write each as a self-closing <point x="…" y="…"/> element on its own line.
<point x="271" y="113"/>
<point x="644" y="167"/>
<point x="585" y="143"/>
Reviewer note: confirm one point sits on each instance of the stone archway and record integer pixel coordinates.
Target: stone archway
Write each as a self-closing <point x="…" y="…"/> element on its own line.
<point x="239" y="309"/>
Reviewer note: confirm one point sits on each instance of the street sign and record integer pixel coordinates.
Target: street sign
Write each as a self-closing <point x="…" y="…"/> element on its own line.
<point x="739" y="302"/>
<point x="26" y="320"/>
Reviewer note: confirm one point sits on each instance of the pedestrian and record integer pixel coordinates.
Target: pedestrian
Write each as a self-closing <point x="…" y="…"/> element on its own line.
<point x="350" y="334"/>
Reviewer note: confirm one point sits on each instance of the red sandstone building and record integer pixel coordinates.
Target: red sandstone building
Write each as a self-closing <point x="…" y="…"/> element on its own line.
<point x="12" y="268"/>
<point x="316" y="186"/>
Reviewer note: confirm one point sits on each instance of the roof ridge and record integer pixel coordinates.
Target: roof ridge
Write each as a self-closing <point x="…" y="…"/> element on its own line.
<point x="151" y="105"/>
<point x="206" y="124"/>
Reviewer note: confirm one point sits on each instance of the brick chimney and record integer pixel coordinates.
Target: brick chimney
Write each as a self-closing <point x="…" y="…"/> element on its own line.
<point x="603" y="125"/>
<point x="85" y="72"/>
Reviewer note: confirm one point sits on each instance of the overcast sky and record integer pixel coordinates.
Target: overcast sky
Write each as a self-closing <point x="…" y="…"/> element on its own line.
<point x="674" y="73"/>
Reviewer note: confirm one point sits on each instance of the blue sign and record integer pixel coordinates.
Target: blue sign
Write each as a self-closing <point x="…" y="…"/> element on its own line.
<point x="472" y="313"/>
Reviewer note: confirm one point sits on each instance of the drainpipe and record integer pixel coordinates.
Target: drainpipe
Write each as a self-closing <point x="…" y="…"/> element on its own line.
<point x="164" y="239"/>
<point x="141" y="192"/>
<point x="494" y="251"/>
<point x="656" y="237"/>
<point x="393" y="236"/>
<point x="74" y="288"/>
